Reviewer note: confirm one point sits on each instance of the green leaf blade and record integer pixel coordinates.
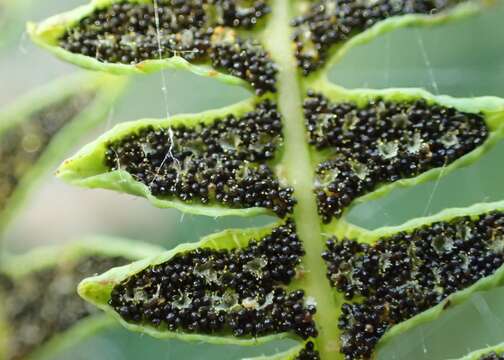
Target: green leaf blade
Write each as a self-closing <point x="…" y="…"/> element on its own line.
<point x="235" y="124"/>
<point x="286" y="355"/>
<point x="293" y="165"/>
<point x="81" y="101"/>
<point x="395" y="279"/>
<point x="50" y="33"/>
<point x="316" y="63"/>
<point x="489" y="353"/>
<point x="478" y="118"/>
<point x="56" y="270"/>
<point x="299" y="352"/>
<point x="103" y="290"/>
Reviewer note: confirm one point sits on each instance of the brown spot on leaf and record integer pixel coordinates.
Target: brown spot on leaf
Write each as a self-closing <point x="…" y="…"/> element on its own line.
<point x="447" y="304"/>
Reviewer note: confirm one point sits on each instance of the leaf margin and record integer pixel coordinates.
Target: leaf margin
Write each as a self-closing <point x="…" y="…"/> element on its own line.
<point x="43" y="257"/>
<point x="86" y="168"/>
<point x="289" y="354"/>
<point x="96" y="290"/>
<point x="107" y="92"/>
<point x="46" y="33"/>
<point x="339" y="50"/>
<point x="492" y="108"/>
<point x="477" y="354"/>
<point x="459" y="297"/>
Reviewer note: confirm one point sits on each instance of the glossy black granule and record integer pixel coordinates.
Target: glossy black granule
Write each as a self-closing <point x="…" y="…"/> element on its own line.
<point x="329" y="22"/>
<point x="209" y="291"/>
<point x="234" y="13"/>
<point x="224" y="162"/>
<point x="199" y="31"/>
<point x="22" y="144"/>
<point x="308" y="353"/>
<point x="492" y="356"/>
<point x="382" y="142"/>
<point x="246" y="60"/>
<point x="403" y="275"/>
<point x="42" y="304"/>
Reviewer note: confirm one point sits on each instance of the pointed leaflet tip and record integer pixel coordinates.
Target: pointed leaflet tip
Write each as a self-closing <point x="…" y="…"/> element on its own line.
<point x="47" y="35"/>
<point x="97" y="289"/>
<point x="94" y="292"/>
<point x="107" y="290"/>
<point x="163" y="160"/>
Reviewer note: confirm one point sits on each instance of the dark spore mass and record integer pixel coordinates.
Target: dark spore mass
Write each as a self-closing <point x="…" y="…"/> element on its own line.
<point x="42" y="304"/>
<point x="209" y="291"/>
<point x="329" y="22"/>
<point x="198" y="31"/>
<point x="403" y="275"/>
<point x="247" y="60"/>
<point x="492" y="356"/>
<point x="382" y="142"/>
<point x="308" y="353"/>
<point x="224" y="162"/>
<point x="233" y="13"/>
<point x="22" y="144"/>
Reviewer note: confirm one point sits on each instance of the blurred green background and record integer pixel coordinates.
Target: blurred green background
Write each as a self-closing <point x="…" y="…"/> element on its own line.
<point x="461" y="59"/>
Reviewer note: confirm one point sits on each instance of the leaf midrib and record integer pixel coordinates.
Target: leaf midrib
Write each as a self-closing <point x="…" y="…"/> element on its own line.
<point x="299" y="171"/>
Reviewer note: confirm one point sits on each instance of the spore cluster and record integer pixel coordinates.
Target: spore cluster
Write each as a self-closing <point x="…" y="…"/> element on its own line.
<point x="381" y="142"/>
<point x="240" y="291"/>
<point x="225" y="162"/>
<point x="398" y="277"/>
<point x="44" y="303"/>
<point x="329" y="22"/>
<point x="198" y="31"/>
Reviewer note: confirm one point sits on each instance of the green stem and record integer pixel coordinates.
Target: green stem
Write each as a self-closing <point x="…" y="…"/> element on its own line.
<point x="299" y="171"/>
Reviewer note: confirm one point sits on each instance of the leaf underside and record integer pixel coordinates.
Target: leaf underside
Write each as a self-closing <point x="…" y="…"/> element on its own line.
<point x="300" y="148"/>
<point x="490" y="353"/>
<point x="41" y="312"/>
<point x="35" y="131"/>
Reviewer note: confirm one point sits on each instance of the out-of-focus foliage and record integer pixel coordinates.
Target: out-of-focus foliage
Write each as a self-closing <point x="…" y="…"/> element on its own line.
<point x="463" y="59"/>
